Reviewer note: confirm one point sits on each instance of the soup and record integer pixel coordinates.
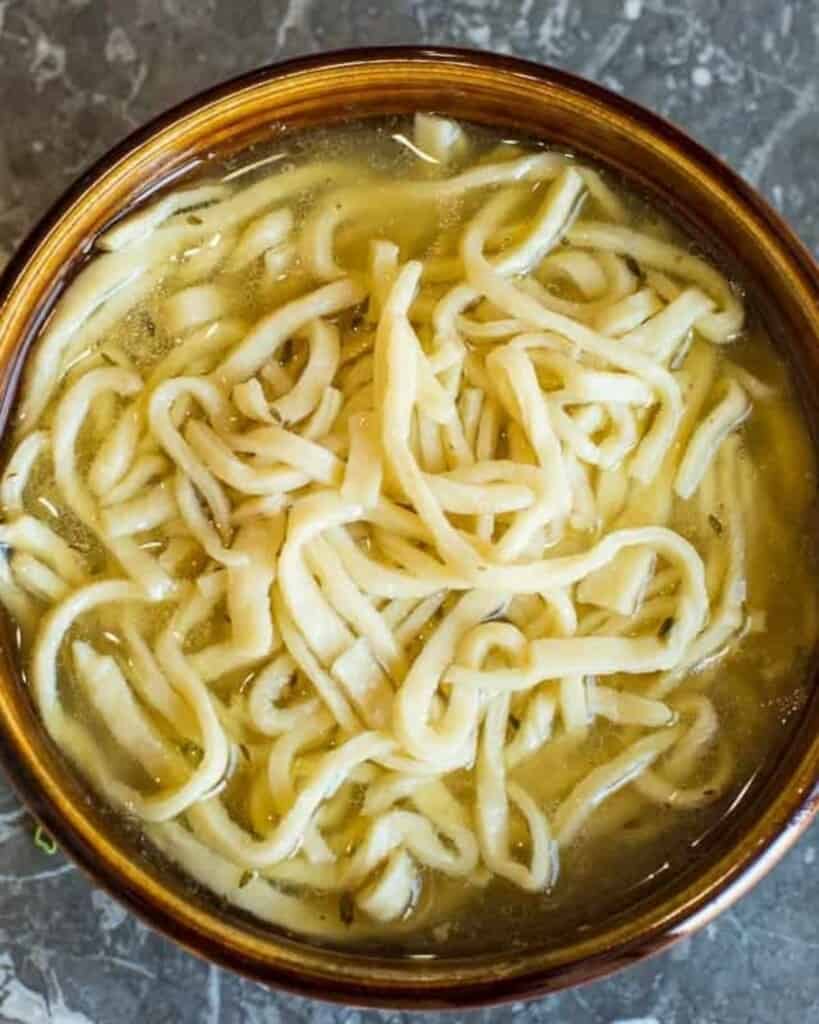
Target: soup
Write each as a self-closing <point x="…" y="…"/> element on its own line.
<point x="407" y="529"/>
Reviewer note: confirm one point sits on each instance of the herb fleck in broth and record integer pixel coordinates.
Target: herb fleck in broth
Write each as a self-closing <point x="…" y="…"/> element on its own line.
<point x="436" y="531"/>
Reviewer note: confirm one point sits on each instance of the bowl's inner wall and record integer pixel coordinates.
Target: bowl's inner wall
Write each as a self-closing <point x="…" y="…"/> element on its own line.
<point x="647" y="159"/>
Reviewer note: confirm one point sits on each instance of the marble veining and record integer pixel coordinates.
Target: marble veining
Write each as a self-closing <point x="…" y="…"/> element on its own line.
<point x="75" y="77"/>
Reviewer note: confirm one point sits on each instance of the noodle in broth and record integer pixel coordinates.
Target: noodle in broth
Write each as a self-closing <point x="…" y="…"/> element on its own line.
<point x="390" y="534"/>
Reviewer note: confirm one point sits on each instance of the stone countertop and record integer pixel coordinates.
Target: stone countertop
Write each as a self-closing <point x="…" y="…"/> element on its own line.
<point x="75" y="77"/>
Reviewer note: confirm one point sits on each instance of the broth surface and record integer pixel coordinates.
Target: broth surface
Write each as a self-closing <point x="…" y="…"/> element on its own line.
<point x="235" y="665"/>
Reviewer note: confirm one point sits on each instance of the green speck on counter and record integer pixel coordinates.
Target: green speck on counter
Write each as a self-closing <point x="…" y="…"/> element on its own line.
<point x="45" y="841"/>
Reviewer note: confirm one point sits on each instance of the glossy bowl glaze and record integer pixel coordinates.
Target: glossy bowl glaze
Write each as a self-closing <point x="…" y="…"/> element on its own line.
<point x="668" y="167"/>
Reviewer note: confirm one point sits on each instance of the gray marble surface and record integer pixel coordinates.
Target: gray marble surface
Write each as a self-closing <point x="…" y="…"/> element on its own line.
<point x="76" y="76"/>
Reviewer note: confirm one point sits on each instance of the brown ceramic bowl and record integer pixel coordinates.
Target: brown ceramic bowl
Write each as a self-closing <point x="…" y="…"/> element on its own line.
<point x="670" y="168"/>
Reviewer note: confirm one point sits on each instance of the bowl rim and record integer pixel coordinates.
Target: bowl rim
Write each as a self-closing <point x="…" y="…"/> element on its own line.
<point x="797" y="805"/>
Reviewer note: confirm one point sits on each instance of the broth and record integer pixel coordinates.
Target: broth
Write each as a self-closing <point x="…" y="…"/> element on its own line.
<point x="262" y="565"/>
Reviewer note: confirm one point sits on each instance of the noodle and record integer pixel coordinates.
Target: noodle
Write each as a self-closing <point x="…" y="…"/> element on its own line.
<point x="394" y="555"/>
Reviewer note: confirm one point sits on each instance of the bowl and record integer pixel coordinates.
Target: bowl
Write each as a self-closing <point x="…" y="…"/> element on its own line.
<point x="698" y="190"/>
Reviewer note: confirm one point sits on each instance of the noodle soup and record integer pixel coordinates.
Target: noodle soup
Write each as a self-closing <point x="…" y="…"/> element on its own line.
<point x="407" y="528"/>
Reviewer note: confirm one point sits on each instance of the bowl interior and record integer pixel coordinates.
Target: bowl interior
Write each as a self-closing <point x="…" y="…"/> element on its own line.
<point x="729" y="220"/>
